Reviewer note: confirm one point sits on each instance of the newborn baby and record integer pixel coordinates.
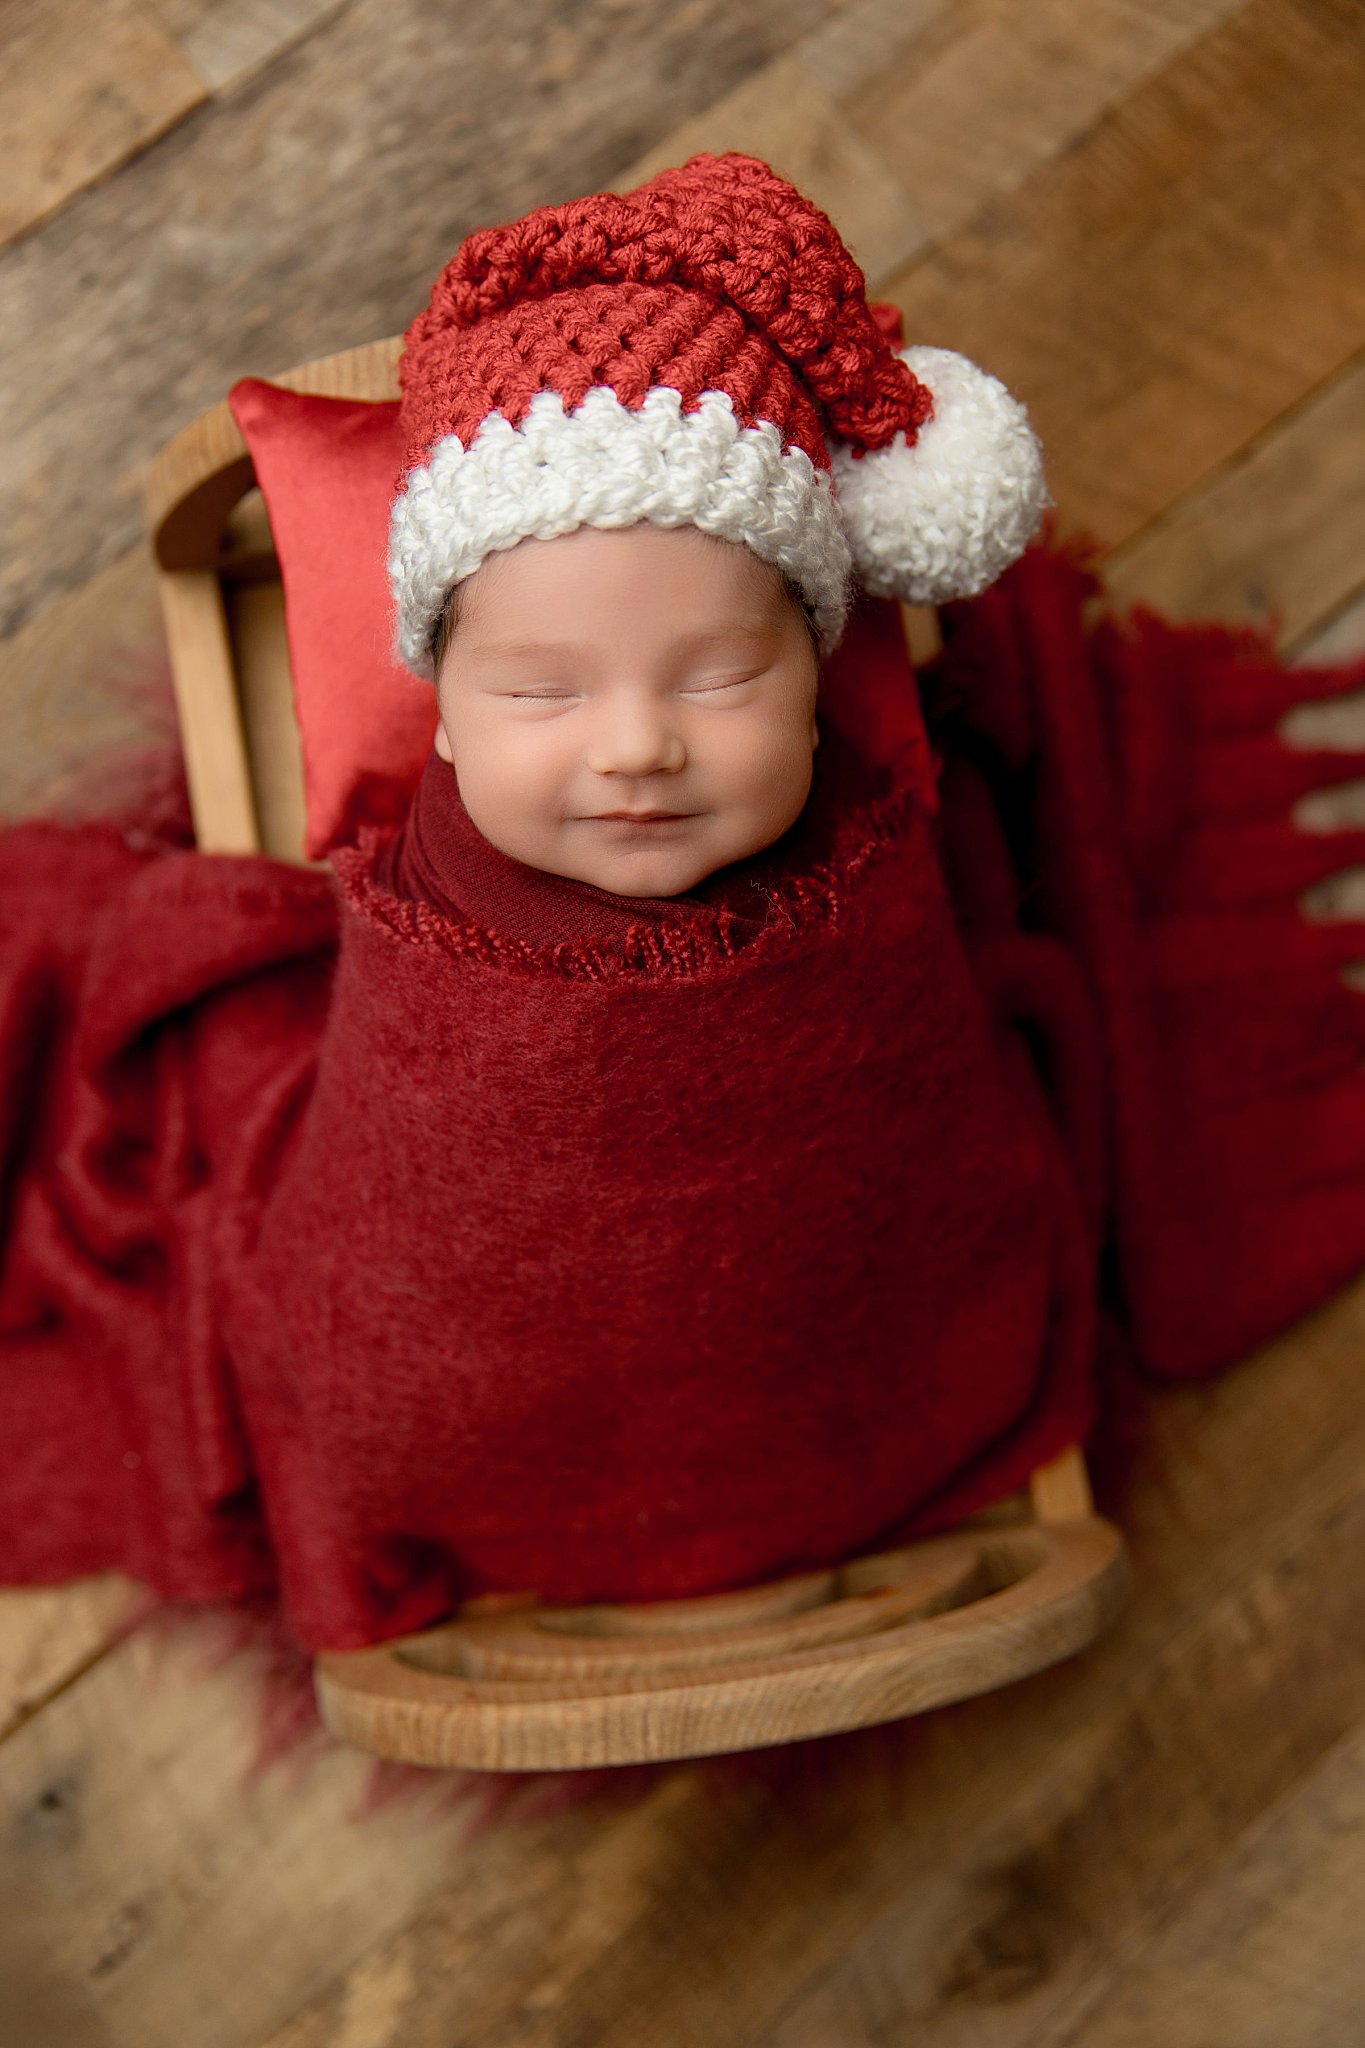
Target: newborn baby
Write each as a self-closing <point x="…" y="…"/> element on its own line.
<point x="627" y="738"/>
<point x="649" y="445"/>
<point x="606" y="1209"/>
<point x="631" y="708"/>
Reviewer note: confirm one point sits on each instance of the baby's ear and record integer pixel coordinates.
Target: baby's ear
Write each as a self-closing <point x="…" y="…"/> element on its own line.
<point x="443" y="744"/>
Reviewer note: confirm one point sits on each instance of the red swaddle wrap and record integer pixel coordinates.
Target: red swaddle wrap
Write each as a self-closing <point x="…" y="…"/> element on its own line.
<point x="454" y="1267"/>
<point x="1149" y="793"/>
<point x="239" y="1191"/>
<point x="444" y="1227"/>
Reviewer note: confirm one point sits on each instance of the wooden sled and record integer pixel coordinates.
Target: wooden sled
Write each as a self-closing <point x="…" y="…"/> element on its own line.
<point x="506" y="1684"/>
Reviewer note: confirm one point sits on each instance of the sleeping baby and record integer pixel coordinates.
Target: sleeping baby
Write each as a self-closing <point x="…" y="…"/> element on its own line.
<point x="633" y="1176"/>
<point x="648" y="453"/>
<point x="614" y="1183"/>
<point x="631" y="714"/>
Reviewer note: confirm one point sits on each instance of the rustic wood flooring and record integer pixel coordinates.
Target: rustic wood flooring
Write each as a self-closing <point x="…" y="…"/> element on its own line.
<point x="1148" y="216"/>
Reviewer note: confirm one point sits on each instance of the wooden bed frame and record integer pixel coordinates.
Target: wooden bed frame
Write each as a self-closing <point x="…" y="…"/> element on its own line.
<point x="506" y="1684"/>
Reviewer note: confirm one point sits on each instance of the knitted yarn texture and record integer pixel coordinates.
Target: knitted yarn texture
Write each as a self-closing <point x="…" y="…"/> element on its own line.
<point x="699" y="351"/>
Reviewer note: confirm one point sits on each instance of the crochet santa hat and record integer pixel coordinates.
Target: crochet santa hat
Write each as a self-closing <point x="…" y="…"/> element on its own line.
<point x="697" y="352"/>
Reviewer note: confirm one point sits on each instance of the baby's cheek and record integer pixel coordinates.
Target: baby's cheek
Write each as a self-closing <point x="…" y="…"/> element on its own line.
<point x="778" y="766"/>
<point x="756" y="749"/>
<point x="501" y="764"/>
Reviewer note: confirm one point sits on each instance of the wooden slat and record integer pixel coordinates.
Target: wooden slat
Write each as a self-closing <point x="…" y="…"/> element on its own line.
<point x="1185" y="275"/>
<point x="865" y="39"/>
<point x="266" y="688"/>
<point x="216" y="762"/>
<point x="1064" y="1890"/>
<point x="49" y="1634"/>
<point x="891" y="1636"/>
<point x="78" y="95"/>
<point x="1277" y="536"/>
<point x="1340" y="638"/>
<point x="1267" y="1952"/>
<point x="153" y="1894"/>
<point x="1021" y="1864"/>
<point x="1238" y="1667"/>
<point x="963" y="1880"/>
<point x="1005" y="88"/>
<point x="227" y="41"/>
<point x="902" y="117"/>
<point x="1060" y="1491"/>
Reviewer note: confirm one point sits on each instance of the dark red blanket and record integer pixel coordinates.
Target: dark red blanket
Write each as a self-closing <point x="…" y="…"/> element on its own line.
<point x="384" y="1246"/>
<point x="1148" y="796"/>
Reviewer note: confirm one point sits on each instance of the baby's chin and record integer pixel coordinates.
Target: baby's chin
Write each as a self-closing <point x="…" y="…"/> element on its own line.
<point x="647" y="875"/>
<point x="625" y="862"/>
<point x="702" y="849"/>
<point x="626" y="866"/>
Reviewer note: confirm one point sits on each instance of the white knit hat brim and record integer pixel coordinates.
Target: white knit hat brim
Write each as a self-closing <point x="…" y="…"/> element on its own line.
<point x="611" y="465"/>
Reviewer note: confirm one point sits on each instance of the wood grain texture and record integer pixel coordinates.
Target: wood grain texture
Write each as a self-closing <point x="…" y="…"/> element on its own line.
<point x="1187" y="273"/>
<point x="75" y="105"/>
<point x="227" y="41"/>
<point x="972" y="1872"/>
<point x="50" y="1634"/>
<point x="1341" y="637"/>
<point x="154" y="1893"/>
<point x="1060" y="1490"/>
<point x="883" y="1637"/>
<point x="902" y="117"/>
<point x="1063" y="1893"/>
<point x="223" y="618"/>
<point x="795" y="113"/>
<point x="255" y="613"/>
<point x="193" y="485"/>
<point x="217" y="765"/>
<point x="1000" y="89"/>
<point x="86" y="699"/>
<point x="272" y="229"/>
<point x="1267" y="1954"/>
<point x="1146" y="213"/>
<point x="787" y="117"/>
<point x="1277" y="537"/>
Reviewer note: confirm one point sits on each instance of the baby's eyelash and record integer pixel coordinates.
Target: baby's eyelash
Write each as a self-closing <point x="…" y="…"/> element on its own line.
<point x="557" y="696"/>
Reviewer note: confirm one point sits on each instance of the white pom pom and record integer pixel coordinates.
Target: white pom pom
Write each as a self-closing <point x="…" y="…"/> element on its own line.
<point x="943" y="518"/>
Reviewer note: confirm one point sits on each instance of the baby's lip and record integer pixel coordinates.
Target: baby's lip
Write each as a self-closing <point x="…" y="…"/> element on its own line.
<point x="642" y="817"/>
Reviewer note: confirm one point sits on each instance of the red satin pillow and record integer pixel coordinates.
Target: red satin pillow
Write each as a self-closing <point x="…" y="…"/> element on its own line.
<point x="327" y="468"/>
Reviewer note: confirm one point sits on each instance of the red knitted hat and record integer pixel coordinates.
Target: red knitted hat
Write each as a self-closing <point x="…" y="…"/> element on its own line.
<point x="697" y="352"/>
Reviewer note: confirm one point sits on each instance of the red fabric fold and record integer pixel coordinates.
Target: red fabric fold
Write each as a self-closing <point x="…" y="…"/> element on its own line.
<point x="441" y="1227"/>
<point x="388" y="1257"/>
<point x="1148" y="792"/>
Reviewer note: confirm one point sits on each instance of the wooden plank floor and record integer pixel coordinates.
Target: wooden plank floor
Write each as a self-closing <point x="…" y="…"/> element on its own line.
<point x="1149" y="217"/>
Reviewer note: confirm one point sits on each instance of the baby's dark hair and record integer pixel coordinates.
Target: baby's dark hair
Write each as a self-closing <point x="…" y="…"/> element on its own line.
<point x="443" y="632"/>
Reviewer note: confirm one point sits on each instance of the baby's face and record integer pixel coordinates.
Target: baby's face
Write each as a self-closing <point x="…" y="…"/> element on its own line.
<point x="636" y="669"/>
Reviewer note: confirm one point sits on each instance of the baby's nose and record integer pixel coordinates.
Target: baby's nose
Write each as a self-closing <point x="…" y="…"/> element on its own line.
<point x="635" y="738"/>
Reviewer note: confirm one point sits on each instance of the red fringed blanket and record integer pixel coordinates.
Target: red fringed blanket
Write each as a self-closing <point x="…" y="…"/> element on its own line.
<point x="433" y="1229"/>
<point x="1148" y="795"/>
